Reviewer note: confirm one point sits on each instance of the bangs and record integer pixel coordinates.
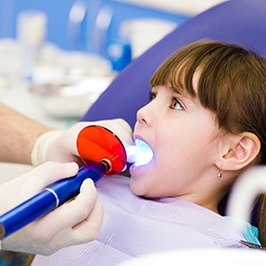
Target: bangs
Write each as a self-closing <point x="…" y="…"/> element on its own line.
<point x="177" y="72"/>
<point x="217" y="64"/>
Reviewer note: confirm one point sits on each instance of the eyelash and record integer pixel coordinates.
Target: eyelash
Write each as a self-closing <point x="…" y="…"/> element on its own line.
<point x="176" y="101"/>
<point x="152" y="96"/>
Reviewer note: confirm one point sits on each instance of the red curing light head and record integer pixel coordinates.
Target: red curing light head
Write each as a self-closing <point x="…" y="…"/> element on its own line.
<point x="96" y="144"/>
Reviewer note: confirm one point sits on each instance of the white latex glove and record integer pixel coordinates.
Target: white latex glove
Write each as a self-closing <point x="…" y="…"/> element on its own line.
<point x="60" y="146"/>
<point x="75" y="222"/>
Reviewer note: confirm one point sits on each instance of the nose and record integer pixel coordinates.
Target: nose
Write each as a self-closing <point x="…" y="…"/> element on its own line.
<point x="144" y="114"/>
<point x="141" y="115"/>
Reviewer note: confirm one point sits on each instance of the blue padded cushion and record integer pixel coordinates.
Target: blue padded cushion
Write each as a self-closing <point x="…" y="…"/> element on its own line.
<point x="237" y="21"/>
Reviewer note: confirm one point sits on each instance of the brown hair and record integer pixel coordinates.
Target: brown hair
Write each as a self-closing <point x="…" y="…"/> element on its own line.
<point x="232" y="84"/>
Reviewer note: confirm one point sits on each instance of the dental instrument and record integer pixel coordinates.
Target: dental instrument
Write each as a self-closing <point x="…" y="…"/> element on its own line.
<point x="102" y="153"/>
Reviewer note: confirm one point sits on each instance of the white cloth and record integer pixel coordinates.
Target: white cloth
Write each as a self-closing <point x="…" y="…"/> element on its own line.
<point x="134" y="226"/>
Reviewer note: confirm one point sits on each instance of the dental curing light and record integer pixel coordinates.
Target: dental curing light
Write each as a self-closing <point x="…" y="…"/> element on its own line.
<point x="103" y="154"/>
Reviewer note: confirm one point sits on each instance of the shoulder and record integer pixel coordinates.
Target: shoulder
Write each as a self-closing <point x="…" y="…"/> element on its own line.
<point x="249" y="232"/>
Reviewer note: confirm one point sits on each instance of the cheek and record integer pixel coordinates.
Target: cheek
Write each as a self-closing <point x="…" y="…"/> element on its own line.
<point x="174" y="150"/>
<point x="178" y="160"/>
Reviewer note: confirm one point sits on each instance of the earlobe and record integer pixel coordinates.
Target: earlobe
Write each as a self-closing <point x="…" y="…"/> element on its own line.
<point x="245" y="147"/>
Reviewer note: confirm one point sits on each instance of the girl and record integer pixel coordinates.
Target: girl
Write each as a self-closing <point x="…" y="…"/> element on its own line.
<point x="205" y="124"/>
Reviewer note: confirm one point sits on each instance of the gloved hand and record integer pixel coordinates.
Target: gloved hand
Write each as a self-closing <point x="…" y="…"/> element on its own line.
<point x="60" y="146"/>
<point x="75" y="222"/>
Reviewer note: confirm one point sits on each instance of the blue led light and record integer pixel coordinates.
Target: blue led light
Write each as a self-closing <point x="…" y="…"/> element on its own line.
<point x="140" y="153"/>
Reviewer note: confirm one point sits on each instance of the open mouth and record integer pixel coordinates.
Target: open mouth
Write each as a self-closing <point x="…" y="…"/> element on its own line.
<point x="140" y="153"/>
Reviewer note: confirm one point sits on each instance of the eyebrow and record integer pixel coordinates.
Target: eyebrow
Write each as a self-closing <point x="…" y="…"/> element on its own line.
<point x="185" y="94"/>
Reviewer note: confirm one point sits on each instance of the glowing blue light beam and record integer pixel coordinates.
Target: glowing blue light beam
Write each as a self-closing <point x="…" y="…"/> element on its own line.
<point x="140" y="153"/>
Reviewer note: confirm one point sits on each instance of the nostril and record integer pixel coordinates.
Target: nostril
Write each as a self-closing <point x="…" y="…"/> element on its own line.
<point x="144" y="121"/>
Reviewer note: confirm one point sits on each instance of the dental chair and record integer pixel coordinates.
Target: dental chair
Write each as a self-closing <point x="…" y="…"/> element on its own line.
<point x="241" y="22"/>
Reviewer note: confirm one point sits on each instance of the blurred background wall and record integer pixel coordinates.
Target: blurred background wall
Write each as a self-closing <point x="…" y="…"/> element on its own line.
<point x="116" y="29"/>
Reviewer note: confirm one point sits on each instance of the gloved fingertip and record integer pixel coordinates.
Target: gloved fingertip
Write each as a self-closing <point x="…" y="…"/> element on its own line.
<point x="87" y="183"/>
<point x="72" y="168"/>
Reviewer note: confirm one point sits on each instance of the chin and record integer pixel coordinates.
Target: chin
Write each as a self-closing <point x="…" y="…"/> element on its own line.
<point x="136" y="187"/>
<point x="139" y="190"/>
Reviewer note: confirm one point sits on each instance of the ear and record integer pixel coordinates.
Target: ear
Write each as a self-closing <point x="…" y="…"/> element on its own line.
<point x="241" y="150"/>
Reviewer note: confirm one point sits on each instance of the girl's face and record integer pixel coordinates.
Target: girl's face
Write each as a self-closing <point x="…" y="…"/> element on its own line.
<point x="184" y="140"/>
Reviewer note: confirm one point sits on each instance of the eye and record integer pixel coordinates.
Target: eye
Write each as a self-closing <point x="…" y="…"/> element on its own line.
<point x="152" y="96"/>
<point x="176" y="104"/>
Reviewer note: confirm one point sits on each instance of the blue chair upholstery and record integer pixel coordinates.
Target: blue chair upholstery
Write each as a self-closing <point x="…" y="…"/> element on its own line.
<point x="236" y="21"/>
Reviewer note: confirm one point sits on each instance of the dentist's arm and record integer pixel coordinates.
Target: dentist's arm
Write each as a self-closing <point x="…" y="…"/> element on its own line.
<point x="26" y="141"/>
<point x="18" y="135"/>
